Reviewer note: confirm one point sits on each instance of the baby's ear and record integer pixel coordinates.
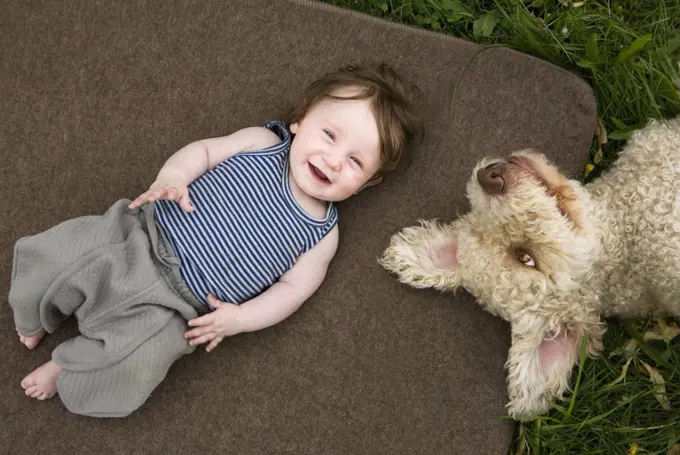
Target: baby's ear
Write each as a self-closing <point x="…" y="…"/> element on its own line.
<point x="424" y="256"/>
<point x="373" y="182"/>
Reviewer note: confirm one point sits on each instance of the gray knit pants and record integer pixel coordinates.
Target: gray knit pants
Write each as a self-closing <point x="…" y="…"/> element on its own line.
<point x="116" y="274"/>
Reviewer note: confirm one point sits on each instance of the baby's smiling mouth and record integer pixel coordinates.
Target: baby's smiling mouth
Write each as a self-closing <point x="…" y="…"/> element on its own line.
<point x="316" y="172"/>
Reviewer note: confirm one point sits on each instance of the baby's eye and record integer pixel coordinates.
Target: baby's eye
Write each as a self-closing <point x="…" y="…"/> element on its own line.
<point x="525" y="258"/>
<point x="357" y="161"/>
<point x="329" y="133"/>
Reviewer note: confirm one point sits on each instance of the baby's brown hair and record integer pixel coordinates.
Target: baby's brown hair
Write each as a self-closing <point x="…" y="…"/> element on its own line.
<point x="391" y="102"/>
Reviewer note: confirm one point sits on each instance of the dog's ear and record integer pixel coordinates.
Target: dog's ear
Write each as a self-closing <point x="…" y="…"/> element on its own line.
<point x="424" y="256"/>
<point x="539" y="367"/>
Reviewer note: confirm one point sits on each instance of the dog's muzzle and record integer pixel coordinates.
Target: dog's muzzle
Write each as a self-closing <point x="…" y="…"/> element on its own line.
<point x="491" y="178"/>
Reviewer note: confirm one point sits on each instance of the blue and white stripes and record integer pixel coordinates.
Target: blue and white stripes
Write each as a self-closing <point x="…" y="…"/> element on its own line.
<point x="247" y="229"/>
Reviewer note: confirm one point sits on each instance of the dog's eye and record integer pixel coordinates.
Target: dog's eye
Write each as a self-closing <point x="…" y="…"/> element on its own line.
<point x="525" y="258"/>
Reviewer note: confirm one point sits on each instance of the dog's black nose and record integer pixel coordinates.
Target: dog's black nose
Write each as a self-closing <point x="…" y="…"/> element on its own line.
<point x="491" y="178"/>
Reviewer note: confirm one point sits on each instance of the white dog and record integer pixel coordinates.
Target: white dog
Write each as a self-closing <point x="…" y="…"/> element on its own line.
<point x="553" y="257"/>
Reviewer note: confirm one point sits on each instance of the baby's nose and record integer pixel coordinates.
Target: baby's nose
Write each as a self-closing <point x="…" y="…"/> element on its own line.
<point x="491" y="178"/>
<point x="333" y="162"/>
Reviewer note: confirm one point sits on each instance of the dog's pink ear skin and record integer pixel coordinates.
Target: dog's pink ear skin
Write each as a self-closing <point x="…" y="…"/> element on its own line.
<point x="560" y="348"/>
<point x="425" y="256"/>
<point x="539" y="368"/>
<point x="447" y="255"/>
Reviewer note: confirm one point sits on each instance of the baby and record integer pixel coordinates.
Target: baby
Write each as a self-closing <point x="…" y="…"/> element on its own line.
<point x="233" y="236"/>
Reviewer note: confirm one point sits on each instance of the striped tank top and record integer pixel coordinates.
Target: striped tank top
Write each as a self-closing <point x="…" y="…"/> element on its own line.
<point x="247" y="229"/>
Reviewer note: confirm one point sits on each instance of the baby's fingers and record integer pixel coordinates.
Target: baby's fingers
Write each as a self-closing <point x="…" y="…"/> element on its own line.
<point x="185" y="203"/>
<point x="213" y="343"/>
<point x="172" y="194"/>
<point x="202" y="321"/>
<point x="160" y="193"/>
<point x="214" y="302"/>
<point x="201" y="339"/>
<point x="140" y="200"/>
<point x="198" y="332"/>
<point x="149" y="196"/>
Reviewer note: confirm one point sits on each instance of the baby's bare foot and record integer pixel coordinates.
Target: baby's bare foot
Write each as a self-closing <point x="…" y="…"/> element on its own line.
<point x="42" y="383"/>
<point x="31" y="342"/>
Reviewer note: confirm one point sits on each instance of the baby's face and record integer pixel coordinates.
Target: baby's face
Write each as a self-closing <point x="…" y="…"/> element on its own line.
<point x="336" y="148"/>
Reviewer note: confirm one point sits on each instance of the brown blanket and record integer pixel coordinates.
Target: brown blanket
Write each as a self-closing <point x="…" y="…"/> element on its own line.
<point x="97" y="95"/>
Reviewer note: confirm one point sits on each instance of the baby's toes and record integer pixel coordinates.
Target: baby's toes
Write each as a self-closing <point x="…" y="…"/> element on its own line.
<point x="28" y="382"/>
<point x="36" y="394"/>
<point x="32" y="390"/>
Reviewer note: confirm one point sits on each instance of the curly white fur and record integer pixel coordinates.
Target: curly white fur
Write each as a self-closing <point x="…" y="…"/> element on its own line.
<point x="552" y="256"/>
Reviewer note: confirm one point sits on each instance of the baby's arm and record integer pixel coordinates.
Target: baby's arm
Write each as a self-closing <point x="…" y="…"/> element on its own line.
<point x="274" y="305"/>
<point x="195" y="159"/>
<point x="293" y="288"/>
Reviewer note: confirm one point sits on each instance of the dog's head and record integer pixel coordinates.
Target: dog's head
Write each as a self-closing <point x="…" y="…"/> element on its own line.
<point x="527" y="237"/>
<point x="523" y="251"/>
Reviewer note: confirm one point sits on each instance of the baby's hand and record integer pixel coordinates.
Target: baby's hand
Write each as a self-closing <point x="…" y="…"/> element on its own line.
<point x="171" y="190"/>
<point x="213" y="327"/>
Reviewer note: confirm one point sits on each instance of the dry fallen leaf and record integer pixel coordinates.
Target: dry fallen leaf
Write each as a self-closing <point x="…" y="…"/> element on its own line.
<point x="674" y="450"/>
<point x="662" y="331"/>
<point x="624" y="370"/>
<point x="659" y="386"/>
<point x="628" y="349"/>
<point x="668" y="331"/>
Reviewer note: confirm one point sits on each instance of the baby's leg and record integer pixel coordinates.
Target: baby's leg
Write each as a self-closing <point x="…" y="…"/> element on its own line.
<point x="119" y="389"/>
<point x="32" y="341"/>
<point x="131" y="323"/>
<point x="42" y="382"/>
<point x="25" y="292"/>
<point x="43" y="263"/>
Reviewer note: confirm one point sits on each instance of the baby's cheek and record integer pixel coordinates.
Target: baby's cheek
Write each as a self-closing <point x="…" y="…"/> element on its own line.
<point x="357" y="181"/>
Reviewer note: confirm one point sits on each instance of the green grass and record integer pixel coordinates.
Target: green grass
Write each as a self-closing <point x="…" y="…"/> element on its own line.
<point x="628" y="50"/>
<point x="608" y="417"/>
